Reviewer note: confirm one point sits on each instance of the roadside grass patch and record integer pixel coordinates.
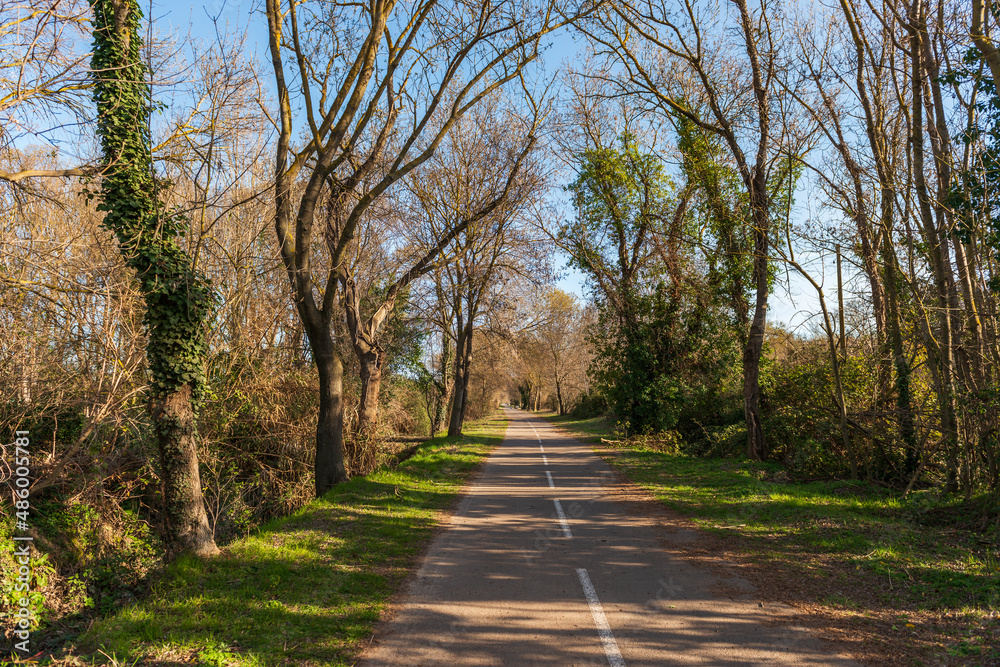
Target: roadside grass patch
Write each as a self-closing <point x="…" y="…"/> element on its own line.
<point x="306" y="589"/>
<point x="859" y="548"/>
<point x="591" y="429"/>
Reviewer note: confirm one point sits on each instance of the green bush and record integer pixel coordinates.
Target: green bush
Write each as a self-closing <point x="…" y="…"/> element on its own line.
<point x="102" y="554"/>
<point x="590" y="405"/>
<point x="40" y="575"/>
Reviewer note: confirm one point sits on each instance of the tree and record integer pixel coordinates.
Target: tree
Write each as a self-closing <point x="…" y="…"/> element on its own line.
<point x="178" y="299"/>
<point x="668" y="63"/>
<point x="42" y="78"/>
<point x="374" y="112"/>
<point x="488" y="256"/>
<point x="484" y="177"/>
<point x="874" y="169"/>
<point x="561" y="330"/>
<point x="624" y="201"/>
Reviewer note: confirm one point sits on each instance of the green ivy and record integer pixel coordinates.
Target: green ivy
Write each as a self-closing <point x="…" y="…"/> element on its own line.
<point x="178" y="299"/>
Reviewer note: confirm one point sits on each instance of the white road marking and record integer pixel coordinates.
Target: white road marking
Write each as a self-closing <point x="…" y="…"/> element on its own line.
<point x="534" y="431"/>
<point x="615" y="658"/>
<point x="540" y="446"/>
<point x="562" y="518"/>
<point x="551" y="483"/>
<point x="545" y="460"/>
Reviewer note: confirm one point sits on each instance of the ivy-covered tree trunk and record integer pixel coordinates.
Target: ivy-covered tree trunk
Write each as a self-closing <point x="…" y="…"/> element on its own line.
<point x="756" y="444"/>
<point x="178" y="300"/>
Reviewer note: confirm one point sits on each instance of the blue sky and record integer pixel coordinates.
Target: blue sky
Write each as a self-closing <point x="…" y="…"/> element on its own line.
<point x="792" y="302"/>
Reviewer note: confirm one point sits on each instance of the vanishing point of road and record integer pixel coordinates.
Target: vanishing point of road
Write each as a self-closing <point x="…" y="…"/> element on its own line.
<point x="541" y="565"/>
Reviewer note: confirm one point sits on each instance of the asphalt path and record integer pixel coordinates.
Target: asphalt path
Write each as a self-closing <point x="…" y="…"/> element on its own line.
<point x="541" y="565"/>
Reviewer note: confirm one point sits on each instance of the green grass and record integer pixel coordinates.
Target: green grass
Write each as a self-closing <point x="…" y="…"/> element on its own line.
<point x="873" y="546"/>
<point x="307" y="589"/>
<point x="591" y="429"/>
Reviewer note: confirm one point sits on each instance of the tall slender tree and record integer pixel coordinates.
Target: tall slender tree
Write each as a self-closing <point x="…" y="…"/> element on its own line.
<point x="178" y="299"/>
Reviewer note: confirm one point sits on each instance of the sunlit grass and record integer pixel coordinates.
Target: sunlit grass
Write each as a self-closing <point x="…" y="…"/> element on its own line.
<point x="850" y="530"/>
<point x="307" y="589"/>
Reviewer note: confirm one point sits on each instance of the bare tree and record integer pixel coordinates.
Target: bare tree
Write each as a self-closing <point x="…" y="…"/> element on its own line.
<point x="43" y="80"/>
<point x="486" y="172"/>
<point x="375" y="110"/>
<point x="561" y="331"/>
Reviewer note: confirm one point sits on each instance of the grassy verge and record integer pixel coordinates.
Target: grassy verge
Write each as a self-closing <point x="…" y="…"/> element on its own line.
<point x="894" y="586"/>
<point x="305" y="590"/>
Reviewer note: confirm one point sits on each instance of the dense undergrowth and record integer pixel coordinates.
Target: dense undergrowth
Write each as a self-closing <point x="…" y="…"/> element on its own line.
<point x="95" y="512"/>
<point x="307" y="588"/>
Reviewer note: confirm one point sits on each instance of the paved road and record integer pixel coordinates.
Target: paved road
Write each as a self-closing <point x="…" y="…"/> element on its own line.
<point x="541" y="566"/>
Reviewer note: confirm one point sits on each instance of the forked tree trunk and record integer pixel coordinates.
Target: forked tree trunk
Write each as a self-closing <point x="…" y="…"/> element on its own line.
<point x="184" y="508"/>
<point x="444" y="387"/>
<point x="371" y="384"/>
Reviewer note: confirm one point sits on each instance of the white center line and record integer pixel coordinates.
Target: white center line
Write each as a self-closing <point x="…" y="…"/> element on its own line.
<point x="551" y="483"/>
<point x="538" y="437"/>
<point x="540" y="446"/>
<point x="545" y="460"/>
<point x="615" y="658"/>
<point x="562" y="518"/>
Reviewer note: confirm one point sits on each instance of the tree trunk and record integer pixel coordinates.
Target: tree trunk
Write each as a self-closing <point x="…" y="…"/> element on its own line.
<point x="756" y="445"/>
<point x="330" y="468"/>
<point x="443" y="387"/>
<point x="462" y="378"/>
<point x="458" y="399"/>
<point x="893" y="318"/>
<point x="980" y="21"/>
<point x="184" y="509"/>
<point x="907" y="426"/>
<point x="177" y="297"/>
<point x="466" y="363"/>
<point x="457" y="407"/>
<point x="939" y="255"/>
<point x="562" y="410"/>
<point x="371" y="385"/>
<point x="838" y="386"/>
<point x="441" y="407"/>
